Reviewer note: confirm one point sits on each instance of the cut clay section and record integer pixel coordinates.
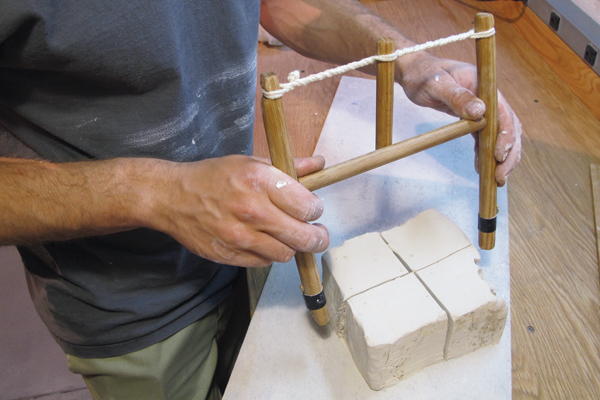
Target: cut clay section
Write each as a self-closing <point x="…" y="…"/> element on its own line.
<point x="358" y="265"/>
<point x="426" y="239"/>
<point x="476" y="315"/>
<point x="395" y="330"/>
<point x="395" y="323"/>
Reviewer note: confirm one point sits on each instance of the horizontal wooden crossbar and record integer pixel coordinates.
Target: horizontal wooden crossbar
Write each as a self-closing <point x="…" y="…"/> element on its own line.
<point x="388" y="154"/>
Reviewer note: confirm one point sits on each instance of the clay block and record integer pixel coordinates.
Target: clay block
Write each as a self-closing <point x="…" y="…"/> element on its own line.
<point x="349" y="270"/>
<point x="396" y="323"/>
<point x="476" y="315"/>
<point x="425" y="239"/>
<point x="395" y="330"/>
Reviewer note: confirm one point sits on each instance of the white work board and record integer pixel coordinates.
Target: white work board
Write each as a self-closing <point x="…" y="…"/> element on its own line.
<point x="286" y="355"/>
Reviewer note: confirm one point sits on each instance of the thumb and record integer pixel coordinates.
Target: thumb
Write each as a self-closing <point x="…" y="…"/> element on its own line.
<point x="305" y="166"/>
<point x="461" y="100"/>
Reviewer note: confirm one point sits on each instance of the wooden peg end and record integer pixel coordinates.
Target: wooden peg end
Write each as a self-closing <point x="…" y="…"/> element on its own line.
<point x="269" y="81"/>
<point x="483" y="21"/>
<point x="321" y="316"/>
<point x="487" y="241"/>
<point x="385" y="45"/>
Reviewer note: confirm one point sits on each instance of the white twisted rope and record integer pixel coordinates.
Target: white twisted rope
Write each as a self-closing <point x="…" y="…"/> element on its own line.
<point x="294" y="77"/>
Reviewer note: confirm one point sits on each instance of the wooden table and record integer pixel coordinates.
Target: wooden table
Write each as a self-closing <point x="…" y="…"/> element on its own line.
<point x="554" y="268"/>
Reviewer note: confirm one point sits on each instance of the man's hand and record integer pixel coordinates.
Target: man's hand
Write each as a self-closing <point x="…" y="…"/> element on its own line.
<point x="450" y="86"/>
<point x="238" y="210"/>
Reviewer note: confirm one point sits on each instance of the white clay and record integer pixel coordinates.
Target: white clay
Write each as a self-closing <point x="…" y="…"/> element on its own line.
<point x="476" y="315"/>
<point x="425" y="239"/>
<point x="358" y="265"/>
<point x="396" y="323"/>
<point x="395" y="330"/>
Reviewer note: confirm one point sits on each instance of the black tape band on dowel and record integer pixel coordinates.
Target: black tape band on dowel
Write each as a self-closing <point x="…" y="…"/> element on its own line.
<point x="486" y="225"/>
<point x="316" y="301"/>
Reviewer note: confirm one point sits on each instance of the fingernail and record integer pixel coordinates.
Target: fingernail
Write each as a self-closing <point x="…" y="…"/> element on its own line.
<point x="475" y="109"/>
<point x="314" y="211"/>
<point x="501" y="157"/>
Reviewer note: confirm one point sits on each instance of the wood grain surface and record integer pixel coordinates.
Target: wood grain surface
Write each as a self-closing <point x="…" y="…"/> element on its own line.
<point x="384" y="120"/>
<point x="488" y="92"/>
<point x="555" y="298"/>
<point x="281" y="157"/>
<point x="385" y="155"/>
<point x="595" y="181"/>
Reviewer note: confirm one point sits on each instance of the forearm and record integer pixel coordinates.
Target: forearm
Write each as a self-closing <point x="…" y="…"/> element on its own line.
<point x="334" y="31"/>
<point x="41" y="201"/>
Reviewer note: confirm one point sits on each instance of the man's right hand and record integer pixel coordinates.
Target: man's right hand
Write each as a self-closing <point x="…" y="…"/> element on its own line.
<point x="240" y="211"/>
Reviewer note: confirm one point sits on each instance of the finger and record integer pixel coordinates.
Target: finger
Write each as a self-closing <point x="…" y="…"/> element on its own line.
<point x="276" y="224"/>
<point x="261" y="159"/>
<point x="255" y="249"/>
<point x="504" y="168"/>
<point x="305" y="166"/>
<point x="266" y="249"/>
<point x="506" y="129"/>
<point x="270" y="236"/>
<point x="476" y="160"/>
<point x="307" y="238"/>
<point x="270" y="248"/>
<point x="284" y="217"/>
<point x="293" y="198"/>
<point x="294" y="233"/>
<point x="459" y="99"/>
<point x="223" y="254"/>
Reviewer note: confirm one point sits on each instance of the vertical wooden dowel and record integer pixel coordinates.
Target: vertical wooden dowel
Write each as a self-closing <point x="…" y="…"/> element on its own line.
<point x="385" y="95"/>
<point x="311" y="283"/>
<point x="488" y="92"/>
<point x="282" y="158"/>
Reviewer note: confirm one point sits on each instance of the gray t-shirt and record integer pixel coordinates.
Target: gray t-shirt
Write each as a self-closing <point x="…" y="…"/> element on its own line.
<point x="98" y="79"/>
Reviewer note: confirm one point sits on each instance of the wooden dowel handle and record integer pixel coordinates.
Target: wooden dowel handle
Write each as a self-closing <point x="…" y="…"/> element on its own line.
<point x="282" y="158"/>
<point x="488" y="92"/>
<point x="276" y="127"/>
<point x="389" y="154"/>
<point x="385" y="95"/>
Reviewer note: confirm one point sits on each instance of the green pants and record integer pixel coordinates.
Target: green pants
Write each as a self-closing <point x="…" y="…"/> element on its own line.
<point x="180" y="367"/>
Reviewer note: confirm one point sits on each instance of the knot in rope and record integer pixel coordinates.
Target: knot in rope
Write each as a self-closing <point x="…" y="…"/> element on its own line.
<point x="293" y="76"/>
